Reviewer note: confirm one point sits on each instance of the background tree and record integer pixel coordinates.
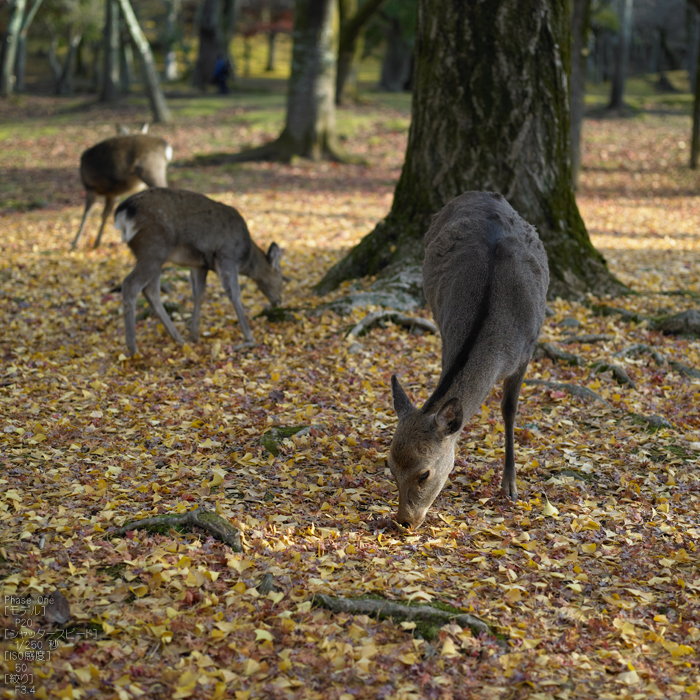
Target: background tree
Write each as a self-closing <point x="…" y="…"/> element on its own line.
<point x="309" y="129"/>
<point x="216" y="23"/>
<point x="395" y="23"/>
<point x="617" y="92"/>
<point x="21" y="58"/>
<point x="695" y="138"/>
<point x="110" y="70"/>
<point x="159" y="107"/>
<point x="490" y="112"/>
<point x="170" y="35"/>
<point x="7" y="76"/>
<point x="354" y="18"/>
<point x="580" y="26"/>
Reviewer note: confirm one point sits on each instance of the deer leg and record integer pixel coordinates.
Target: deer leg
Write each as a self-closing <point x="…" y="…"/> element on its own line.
<point x="509" y="408"/>
<point x="152" y="293"/>
<point x="198" y="280"/>
<point x="106" y="213"/>
<point x="228" y="274"/>
<point x="90" y="199"/>
<point x="132" y="285"/>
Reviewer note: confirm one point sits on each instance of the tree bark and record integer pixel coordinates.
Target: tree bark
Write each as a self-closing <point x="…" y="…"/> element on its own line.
<point x="210" y="44"/>
<point x="170" y="71"/>
<point x="695" y="139"/>
<point x="159" y="107"/>
<point x="490" y="112"/>
<point x="7" y="77"/>
<point x="126" y="60"/>
<point x="353" y="22"/>
<point x="110" y="73"/>
<point x="64" y="85"/>
<point x="623" y="49"/>
<point x="309" y="129"/>
<point x="396" y="65"/>
<point x="21" y="59"/>
<point x="580" y="24"/>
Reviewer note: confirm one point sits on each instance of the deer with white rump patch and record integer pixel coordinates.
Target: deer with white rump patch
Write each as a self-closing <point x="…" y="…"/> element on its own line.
<point x="118" y="166"/>
<point x="485" y="276"/>
<point x="185" y="228"/>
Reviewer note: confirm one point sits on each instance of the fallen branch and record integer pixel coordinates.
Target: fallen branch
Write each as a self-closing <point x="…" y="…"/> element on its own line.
<point x="214" y="524"/>
<point x="397" y="612"/>
<point x="375" y="317"/>
<point x="581" y="391"/>
<point x="554" y="353"/>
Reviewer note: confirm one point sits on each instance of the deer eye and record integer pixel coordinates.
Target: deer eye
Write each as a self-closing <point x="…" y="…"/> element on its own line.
<point x="422" y="478"/>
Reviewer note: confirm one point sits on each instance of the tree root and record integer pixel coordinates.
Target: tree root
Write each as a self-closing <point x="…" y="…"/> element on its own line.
<point x="639" y="348"/>
<point x="214" y="524"/>
<point x="621" y="377"/>
<point x="376" y="317"/>
<point x="554" y="353"/>
<point x="399" y="612"/>
<point x="587" y="338"/>
<point x="581" y="391"/>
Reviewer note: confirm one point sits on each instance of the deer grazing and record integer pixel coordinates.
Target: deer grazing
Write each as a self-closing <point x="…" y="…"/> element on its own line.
<point x="485" y="276"/>
<point x="118" y="166"/>
<point x="185" y="228"/>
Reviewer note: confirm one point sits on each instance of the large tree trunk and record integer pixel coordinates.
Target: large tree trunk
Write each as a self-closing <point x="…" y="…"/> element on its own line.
<point x="210" y="43"/>
<point x="490" y="112"/>
<point x="580" y="22"/>
<point x="7" y="76"/>
<point x="617" y="92"/>
<point x="353" y="22"/>
<point x="21" y="59"/>
<point x="309" y="130"/>
<point x="110" y="73"/>
<point x="159" y="107"/>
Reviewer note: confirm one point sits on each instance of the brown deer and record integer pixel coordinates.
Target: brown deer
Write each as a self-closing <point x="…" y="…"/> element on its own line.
<point x="485" y="276"/>
<point x="185" y="228"/>
<point x="119" y="166"/>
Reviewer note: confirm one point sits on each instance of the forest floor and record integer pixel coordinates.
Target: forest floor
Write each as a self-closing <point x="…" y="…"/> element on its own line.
<point x="589" y="583"/>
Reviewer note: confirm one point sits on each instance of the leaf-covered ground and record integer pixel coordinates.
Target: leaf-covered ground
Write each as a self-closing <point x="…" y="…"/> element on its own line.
<point x="590" y="582"/>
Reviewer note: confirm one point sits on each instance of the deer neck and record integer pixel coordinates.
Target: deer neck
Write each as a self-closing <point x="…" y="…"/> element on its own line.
<point x="255" y="266"/>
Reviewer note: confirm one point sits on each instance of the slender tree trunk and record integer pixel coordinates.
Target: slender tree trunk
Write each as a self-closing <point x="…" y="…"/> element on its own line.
<point x="96" y="72"/>
<point x="353" y="22"/>
<point x="7" y="77"/>
<point x="21" y="60"/>
<point x="64" y="85"/>
<point x="210" y="44"/>
<point x="126" y="60"/>
<point x="229" y="17"/>
<point x="396" y="65"/>
<point x="580" y="23"/>
<point x="170" y="71"/>
<point x="53" y="61"/>
<point x="694" y="41"/>
<point x="695" y="140"/>
<point x="490" y="112"/>
<point x="110" y="73"/>
<point x="623" y="49"/>
<point x="271" y="50"/>
<point x="159" y="106"/>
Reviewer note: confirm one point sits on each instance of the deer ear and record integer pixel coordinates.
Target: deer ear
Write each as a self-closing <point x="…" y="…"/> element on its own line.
<point x="402" y="404"/>
<point x="274" y="256"/>
<point x="448" y="419"/>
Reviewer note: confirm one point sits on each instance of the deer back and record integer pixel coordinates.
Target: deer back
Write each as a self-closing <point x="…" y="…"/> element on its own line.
<point x="115" y="165"/>
<point x="485" y="276"/>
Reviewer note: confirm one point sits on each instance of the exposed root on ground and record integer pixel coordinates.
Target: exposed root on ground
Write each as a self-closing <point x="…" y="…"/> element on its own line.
<point x="214" y="524"/>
